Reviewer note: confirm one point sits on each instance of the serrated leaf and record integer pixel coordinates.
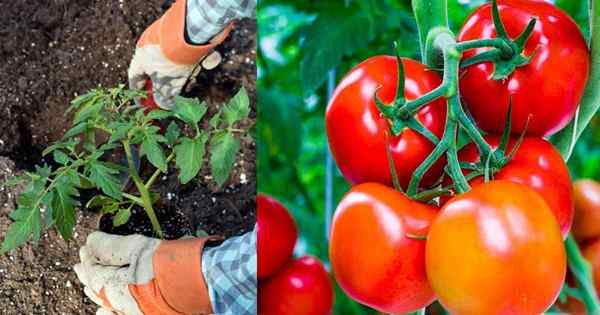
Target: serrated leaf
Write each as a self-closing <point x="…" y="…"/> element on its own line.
<point x="223" y="149"/>
<point x="27" y="224"/>
<point x="215" y="120"/>
<point x="63" y="207"/>
<point x="76" y="130"/>
<point x="238" y="107"/>
<point x="61" y="145"/>
<point x="60" y="157"/>
<point x="189" y="156"/>
<point x="121" y="217"/>
<point x="172" y="133"/>
<point x="43" y="171"/>
<point x="120" y="131"/>
<point x="189" y="110"/>
<point x="343" y="27"/>
<point x="105" y="177"/>
<point x="89" y="110"/>
<point x="158" y="114"/>
<point x="153" y="151"/>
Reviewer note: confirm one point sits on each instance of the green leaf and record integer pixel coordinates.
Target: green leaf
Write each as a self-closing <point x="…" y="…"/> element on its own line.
<point x="98" y="201"/>
<point x="158" y="114"/>
<point x="122" y="217"/>
<point x="238" y="107"/>
<point x="60" y="157"/>
<point x="63" y="206"/>
<point x="27" y="219"/>
<point x="189" y="156"/>
<point x="348" y="30"/>
<point x="189" y="110"/>
<point x="120" y="130"/>
<point x="215" y="120"/>
<point x="172" y="133"/>
<point x="61" y="145"/>
<point x="153" y="151"/>
<point x="223" y="148"/>
<point x="104" y="176"/>
<point x="89" y="110"/>
<point x="282" y="112"/>
<point x="76" y="130"/>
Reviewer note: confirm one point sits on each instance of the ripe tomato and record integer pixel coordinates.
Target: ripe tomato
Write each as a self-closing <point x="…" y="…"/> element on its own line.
<point x="357" y="132"/>
<point x="496" y="249"/>
<point x="373" y="257"/>
<point x="548" y="88"/>
<point x="149" y="102"/>
<point x="587" y="209"/>
<point x="276" y="235"/>
<point x="302" y="287"/>
<point x="538" y="165"/>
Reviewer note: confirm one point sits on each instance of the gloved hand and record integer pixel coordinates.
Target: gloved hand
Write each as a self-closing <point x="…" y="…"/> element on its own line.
<point x="137" y="275"/>
<point x="165" y="57"/>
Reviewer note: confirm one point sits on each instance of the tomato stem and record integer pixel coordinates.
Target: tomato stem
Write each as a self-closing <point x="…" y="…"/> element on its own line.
<point x="583" y="274"/>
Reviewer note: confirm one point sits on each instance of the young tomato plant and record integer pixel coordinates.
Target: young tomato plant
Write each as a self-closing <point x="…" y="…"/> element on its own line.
<point x="106" y="123"/>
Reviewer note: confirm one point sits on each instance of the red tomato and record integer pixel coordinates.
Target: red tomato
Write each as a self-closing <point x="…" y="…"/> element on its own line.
<point x="149" y="102"/>
<point x="496" y="250"/>
<point x="587" y="209"/>
<point x="538" y="165"/>
<point x="548" y="88"/>
<point x="372" y="256"/>
<point x="276" y="235"/>
<point x="357" y="132"/>
<point x="302" y="287"/>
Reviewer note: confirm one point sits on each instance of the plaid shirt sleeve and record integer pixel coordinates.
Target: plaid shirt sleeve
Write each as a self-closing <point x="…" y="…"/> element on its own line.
<point x="207" y="18"/>
<point x="230" y="273"/>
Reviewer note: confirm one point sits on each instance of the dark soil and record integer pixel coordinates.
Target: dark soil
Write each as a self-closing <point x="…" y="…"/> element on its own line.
<point x="53" y="50"/>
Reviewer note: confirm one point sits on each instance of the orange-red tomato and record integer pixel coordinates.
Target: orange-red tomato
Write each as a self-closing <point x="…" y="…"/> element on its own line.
<point x="276" y="235"/>
<point x="538" y="165"/>
<point x="356" y="131"/>
<point x="373" y="256"/>
<point x="302" y="287"/>
<point x="587" y="209"/>
<point x="496" y="249"/>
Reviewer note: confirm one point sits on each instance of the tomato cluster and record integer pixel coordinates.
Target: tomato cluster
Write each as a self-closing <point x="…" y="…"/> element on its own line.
<point x="498" y="247"/>
<point x="286" y="285"/>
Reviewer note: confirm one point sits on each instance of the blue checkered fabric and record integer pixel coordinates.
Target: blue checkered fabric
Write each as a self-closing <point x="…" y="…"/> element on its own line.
<point x="230" y="273"/>
<point x="207" y="18"/>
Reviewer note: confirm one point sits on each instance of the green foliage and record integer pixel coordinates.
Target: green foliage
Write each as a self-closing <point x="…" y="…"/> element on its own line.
<point x="299" y="43"/>
<point x="52" y="193"/>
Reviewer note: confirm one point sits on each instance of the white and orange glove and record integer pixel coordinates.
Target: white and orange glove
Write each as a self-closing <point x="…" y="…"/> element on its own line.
<point x="137" y="275"/>
<point x="169" y="50"/>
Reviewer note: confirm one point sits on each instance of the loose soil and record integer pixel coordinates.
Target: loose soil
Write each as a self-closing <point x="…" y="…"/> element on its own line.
<point x="53" y="50"/>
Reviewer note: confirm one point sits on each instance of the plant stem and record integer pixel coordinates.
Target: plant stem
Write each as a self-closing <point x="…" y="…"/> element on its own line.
<point x="157" y="172"/>
<point x="583" y="274"/>
<point x="144" y="193"/>
<point x="135" y="199"/>
<point x="429" y="14"/>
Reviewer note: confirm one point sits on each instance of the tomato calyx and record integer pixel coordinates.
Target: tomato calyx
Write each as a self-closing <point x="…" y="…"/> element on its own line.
<point x="507" y="56"/>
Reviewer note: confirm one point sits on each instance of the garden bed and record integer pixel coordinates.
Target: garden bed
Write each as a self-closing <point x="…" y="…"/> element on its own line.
<point x="55" y="49"/>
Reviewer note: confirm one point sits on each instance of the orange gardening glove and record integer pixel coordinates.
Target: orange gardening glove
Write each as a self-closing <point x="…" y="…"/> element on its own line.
<point x="163" y="56"/>
<point x="138" y="275"/>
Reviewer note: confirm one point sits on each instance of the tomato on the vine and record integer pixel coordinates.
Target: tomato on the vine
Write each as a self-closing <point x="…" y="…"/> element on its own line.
<point x="537" y="164"/>
<point x="496" y="249"/>
<point x="302" y="287"/>
<point x="276" y="235"/>
<point x="548" y="88"/>
<point x="587" y="209"/>
<point x="373" y="250"/>
<point x="357" y="132"/>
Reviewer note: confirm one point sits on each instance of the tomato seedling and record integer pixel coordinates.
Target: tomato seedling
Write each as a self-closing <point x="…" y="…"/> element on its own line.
<point x="107" y="122"/>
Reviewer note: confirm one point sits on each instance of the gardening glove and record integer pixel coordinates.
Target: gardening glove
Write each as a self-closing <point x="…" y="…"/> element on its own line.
<point x="169" y="50"/>
<point x="115" y="272"/>
<point x="138" y="275"/>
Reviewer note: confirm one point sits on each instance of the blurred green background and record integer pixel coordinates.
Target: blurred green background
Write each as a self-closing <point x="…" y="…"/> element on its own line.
<point x="301" y="44"/>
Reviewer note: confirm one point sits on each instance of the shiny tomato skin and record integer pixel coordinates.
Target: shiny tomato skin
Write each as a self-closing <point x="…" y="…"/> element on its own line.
<point x="276" y="235"/>
<point x="496" y="249"/>
<point x="549" y="87"/>
<point x="538" y="165"/>
<point x="357" y="133"/>
<point x="372" y="256"/>
<point x="587" y="209"/>
<point x="302" y="287"/>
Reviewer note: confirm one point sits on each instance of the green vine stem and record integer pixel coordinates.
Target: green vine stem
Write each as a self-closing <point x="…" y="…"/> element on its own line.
<point x="583" y="274"/>
<point x="144" y="192"/>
